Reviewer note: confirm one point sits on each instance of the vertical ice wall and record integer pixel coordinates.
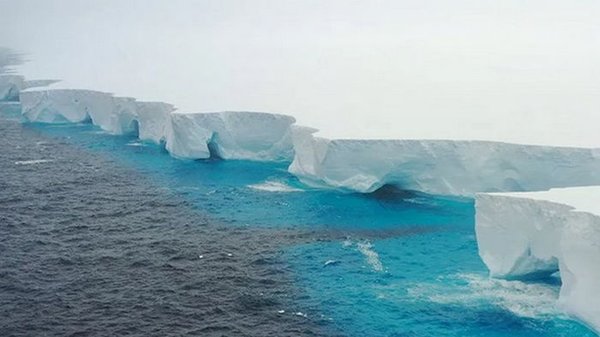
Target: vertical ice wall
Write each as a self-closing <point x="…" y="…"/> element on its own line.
<point x="439" y="166"/>
<point x="231" y="135"/>
<point x="535" y="234"/>
<point x="228" y="135"/>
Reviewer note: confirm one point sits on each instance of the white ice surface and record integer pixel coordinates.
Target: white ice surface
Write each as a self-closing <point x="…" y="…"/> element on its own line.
<point x="525" y="235"/>
<point x="154" y="119"/>
<point x="438" y="166"/>
<point x="431" y="166"/>
<point x="232" y="135"/>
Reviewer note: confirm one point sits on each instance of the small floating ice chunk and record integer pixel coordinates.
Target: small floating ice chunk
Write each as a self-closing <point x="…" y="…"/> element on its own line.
<point x="274" y="186"/>
<point x="331" y="263"/>
<point x="32" y="162"/>
<point x="136" y="144"/>
<point x="281" y="311"/>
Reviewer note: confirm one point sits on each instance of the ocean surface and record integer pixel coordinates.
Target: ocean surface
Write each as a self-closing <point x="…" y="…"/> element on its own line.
<point x="105" y="235"/>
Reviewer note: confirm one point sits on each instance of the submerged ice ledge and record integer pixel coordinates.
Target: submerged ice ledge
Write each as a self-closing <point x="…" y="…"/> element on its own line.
<point x="535" y="234"/>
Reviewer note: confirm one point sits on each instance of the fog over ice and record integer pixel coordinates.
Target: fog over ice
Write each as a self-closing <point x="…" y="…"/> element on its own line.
<point x="518" y="71"/>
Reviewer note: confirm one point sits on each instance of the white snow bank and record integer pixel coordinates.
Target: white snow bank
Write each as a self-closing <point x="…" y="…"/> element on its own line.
<point x="230" y="135"/>
<point x="439" y="166"/>
<point x="12" y="85"/>
<point x="525" y="235"/>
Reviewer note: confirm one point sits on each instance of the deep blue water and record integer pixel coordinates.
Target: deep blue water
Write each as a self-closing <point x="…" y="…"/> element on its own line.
<point x="391" y="263"/>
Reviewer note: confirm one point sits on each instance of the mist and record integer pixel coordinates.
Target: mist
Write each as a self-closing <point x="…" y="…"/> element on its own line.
<point x="515" y="71"/>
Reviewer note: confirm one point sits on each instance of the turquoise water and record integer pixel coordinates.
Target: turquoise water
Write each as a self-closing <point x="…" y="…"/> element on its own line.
<point x="390" y="263"/>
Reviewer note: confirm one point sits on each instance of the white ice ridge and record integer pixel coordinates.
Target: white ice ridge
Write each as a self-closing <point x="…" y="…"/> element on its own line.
<point x="535" y="234"/>
<point x="12" y="85"/>
<point x="229" y="135"/>
<point x="439" y="166"/>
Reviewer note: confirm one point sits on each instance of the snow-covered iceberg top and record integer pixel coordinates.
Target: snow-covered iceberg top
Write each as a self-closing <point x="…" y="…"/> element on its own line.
<point x="439" y="166"/>
<point x="535" y="234"/>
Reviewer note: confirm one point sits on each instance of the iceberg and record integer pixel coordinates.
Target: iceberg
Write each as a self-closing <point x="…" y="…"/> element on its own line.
<point x="63" y="105"/>
<point x="12" y="85"/>
<point x="115" y="115"/>
<point x="535" y="234"/>
<point x="439" y="166"/>
<point x="154" y="119"/>
<point x="231" y="135"/>
<point x="228" y="135"/>
<point x="432" y="166"/>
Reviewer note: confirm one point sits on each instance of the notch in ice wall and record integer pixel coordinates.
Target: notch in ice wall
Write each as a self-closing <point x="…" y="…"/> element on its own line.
<point x="440" y="166"/>
<point x="532" y="235"/>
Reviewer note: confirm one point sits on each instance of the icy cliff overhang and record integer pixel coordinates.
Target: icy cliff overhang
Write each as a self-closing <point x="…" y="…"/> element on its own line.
<point x="439" y="166"/>
<point x="535" y="234"/>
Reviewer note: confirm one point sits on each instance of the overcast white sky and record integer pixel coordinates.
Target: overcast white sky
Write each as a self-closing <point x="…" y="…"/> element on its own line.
<point x="513" y="70"/>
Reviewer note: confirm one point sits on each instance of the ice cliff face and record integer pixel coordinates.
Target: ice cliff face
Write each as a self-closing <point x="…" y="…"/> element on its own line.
<point x="116" y="115"/>
<point x="154" y="119"/>
<point x="529" y="235"/>
<point x="230" y="135"/>
<point x="10" y="86"/>
<point x="431" y="166"/>
<point x="438" y="166"/>
<point x="112" y="114"/>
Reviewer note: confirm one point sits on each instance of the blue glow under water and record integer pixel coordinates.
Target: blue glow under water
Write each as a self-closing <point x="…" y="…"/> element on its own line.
<point x="388" y="264"/>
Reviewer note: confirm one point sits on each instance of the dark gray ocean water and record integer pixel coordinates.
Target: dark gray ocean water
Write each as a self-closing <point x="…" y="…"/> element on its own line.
<point x="89" y="248"/>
